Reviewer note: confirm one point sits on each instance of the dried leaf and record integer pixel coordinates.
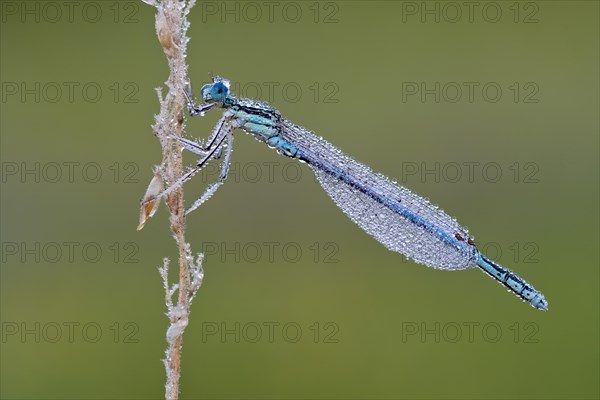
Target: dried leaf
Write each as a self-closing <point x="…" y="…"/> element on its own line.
<point x="150" y="202"/>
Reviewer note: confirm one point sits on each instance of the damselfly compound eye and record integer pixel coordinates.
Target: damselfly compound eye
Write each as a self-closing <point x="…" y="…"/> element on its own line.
<point x="219" y="91"/>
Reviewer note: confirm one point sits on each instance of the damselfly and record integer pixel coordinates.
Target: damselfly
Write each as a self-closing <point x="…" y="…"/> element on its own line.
<point x="396" y="217"/>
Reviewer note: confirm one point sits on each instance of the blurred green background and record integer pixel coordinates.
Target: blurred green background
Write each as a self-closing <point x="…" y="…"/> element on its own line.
<point x="297" y="302"/>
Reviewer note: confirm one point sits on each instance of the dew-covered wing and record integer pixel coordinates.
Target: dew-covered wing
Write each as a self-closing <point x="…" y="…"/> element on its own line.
<point x="398" y="218"/>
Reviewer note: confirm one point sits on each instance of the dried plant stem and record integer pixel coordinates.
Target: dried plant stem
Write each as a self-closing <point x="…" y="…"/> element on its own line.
<point x="171" y="27"/>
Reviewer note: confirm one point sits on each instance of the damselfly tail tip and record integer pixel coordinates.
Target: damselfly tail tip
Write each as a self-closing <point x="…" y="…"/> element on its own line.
<point x="513" y="283"/>
<point x="540" y="303"/>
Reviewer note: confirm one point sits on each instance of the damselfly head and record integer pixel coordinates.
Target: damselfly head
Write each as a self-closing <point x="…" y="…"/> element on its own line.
<point x="216" y="91"/>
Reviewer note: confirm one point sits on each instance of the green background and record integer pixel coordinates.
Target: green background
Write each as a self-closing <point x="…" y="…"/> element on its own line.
<point x="543" y="219"/>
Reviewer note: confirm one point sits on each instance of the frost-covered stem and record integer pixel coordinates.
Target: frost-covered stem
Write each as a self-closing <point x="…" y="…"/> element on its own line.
<point x="179" y="317"/>
<point x="171" y="27"/>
